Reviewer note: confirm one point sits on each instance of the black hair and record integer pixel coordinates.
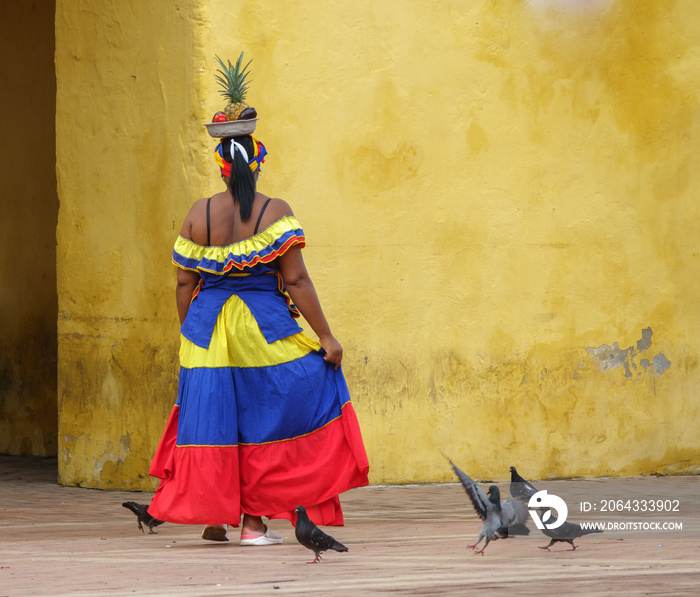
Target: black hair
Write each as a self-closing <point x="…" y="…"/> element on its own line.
<point x="242" y="181"/>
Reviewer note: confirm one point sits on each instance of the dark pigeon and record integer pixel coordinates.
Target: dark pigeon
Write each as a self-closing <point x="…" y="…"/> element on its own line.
<point x="519" y="487"/>
<point x="500" y="519"/>
<point x="143" y="516"/>
<point x="313" y="538"/>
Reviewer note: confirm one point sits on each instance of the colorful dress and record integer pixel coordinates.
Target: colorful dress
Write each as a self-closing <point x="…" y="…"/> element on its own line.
<point x="262" y="423"/>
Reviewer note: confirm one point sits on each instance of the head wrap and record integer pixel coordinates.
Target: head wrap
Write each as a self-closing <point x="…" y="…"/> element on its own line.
<point x="259" y="153"/>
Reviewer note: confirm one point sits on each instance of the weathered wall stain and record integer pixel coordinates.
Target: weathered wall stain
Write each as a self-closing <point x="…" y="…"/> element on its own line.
<point x="611" y="357"/>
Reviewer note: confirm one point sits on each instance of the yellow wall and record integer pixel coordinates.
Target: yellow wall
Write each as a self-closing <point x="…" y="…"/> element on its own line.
<point x="127" y="146"/>
<point x="28" y="213"/>
<point x="499" y="202"/>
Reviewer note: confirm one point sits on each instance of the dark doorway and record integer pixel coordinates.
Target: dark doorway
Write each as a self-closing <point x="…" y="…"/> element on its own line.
<point x="28" y="220"/>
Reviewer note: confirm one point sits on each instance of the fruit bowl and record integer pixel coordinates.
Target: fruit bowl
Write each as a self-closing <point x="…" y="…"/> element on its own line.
<point x="233" y="128"/>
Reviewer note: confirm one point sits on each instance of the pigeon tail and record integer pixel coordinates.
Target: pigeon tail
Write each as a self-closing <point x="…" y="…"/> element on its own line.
<point x="589" y="531"/>
<point x="337" y="546"/>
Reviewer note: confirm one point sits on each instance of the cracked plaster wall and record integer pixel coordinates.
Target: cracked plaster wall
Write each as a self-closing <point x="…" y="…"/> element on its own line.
<point x="611" y="357"/>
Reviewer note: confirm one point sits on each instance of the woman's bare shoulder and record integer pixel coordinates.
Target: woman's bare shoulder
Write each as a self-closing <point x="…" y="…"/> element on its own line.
<point x="278" y="208"/>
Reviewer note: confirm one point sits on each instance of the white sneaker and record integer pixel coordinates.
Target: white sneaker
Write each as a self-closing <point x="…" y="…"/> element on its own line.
<point x="269" y="538"/>
<point x="215" y="532"/>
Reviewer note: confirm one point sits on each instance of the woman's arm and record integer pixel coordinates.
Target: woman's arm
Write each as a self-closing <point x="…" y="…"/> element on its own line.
<point x="187" y="280"/>
<point x="186" y="283"/>
<point x="302" y="291"/>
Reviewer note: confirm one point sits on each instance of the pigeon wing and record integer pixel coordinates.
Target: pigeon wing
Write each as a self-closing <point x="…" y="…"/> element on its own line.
<point x="323" y="542"/>
<point x="304" y="531"/>
<point x="567" y="531"/>
<point x="479" y="500"/>
<point x="513" y="512"/>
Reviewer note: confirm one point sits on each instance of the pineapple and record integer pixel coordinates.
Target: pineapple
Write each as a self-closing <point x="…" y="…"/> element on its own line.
<point x="232" y="79"/>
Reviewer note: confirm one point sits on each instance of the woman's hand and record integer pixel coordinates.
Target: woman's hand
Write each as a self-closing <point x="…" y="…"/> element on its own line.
<point x="334" y="351"/>
<point x="301" y="289"/>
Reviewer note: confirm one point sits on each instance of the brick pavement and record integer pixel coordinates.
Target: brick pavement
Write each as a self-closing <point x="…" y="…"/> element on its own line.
<point x="403" y="540"/>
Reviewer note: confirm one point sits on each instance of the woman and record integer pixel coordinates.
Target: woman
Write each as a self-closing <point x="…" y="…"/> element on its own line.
<point x="263" y="421"/>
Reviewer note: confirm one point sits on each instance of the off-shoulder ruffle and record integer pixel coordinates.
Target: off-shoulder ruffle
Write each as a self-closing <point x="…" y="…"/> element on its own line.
<point x="265" y="246"/>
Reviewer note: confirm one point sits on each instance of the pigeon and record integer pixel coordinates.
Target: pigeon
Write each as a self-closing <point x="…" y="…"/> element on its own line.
<point x="566" y="533"/>
<point x="313" y="538"/>
<point x="143" y="516"/>
<point x="500" y="519"/>
<point x="519" y="487"/>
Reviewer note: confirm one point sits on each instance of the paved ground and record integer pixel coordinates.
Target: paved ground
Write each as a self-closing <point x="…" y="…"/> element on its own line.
<point x="403" y="540"/>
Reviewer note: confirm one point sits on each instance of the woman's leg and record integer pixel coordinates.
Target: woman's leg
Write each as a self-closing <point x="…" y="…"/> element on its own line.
<point x="255" y="532"/>
<point x="252" y="525"/>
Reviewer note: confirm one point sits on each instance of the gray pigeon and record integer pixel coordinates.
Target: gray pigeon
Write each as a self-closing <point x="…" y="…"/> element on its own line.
<point x="566" y="533"/>
<point x="500" y="519"/>
<point x="143" y="516"/>
<point x="313" y="538"/>
<point x="519" y="487"/>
